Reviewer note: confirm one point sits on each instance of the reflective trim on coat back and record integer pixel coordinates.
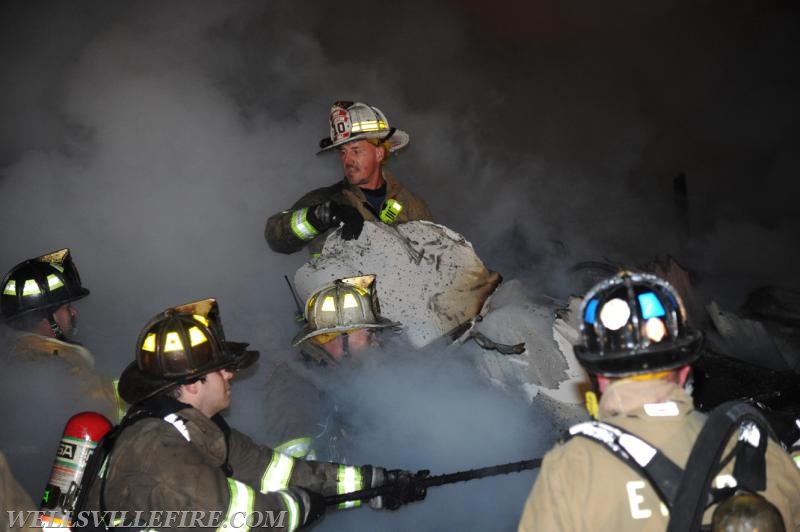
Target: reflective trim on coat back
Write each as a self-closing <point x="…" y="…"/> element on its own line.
<point x="348" y="479"/>
<point x="242" y="502"/>
<point x="179" y="423"/>
<point x="300" y="225"/>
<point x="279" y="471"/>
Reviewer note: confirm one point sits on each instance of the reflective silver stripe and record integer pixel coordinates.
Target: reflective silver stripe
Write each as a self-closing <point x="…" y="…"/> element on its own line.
<point x="300" y="225"/>
<point x="638" y="449"/>
<point x="749" y="433"/>
<point x="599" y="431"/>
<point x="296" y="448"/>
<point x="242" y="502"/>
<point x="348" y="479"/>
<point x="293" y="508"/>
<point x="278" y="472"/>
<point x="177" y="422"/>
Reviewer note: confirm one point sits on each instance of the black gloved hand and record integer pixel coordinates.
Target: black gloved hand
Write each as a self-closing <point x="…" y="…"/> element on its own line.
<point x="331" y="214"/>
<point x="403" y="487"/>
<point x="312" y="505"/>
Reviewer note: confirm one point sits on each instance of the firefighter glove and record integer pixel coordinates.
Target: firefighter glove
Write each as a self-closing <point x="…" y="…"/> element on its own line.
<point x="401" y="487"/>
<point x="331" y="214"/>
<point x="312" y="505"/>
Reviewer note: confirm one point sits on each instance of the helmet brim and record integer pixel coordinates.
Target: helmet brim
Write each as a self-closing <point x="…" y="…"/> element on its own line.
<point x="658" y="357"/>
<point x="136" y="385"/>
<point x="309" y="332"/>
<point x="397" y="141"/>
<point x="83" y="292"/>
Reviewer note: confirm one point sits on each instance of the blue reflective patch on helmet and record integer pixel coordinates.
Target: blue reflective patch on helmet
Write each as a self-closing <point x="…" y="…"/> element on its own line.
<point x="651" y="306"/>
<point x="589" y="314"/>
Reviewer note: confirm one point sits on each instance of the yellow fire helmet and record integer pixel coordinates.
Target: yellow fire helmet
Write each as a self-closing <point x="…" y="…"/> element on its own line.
<point x="358" y="121"/>
<point x="343" y="305"/>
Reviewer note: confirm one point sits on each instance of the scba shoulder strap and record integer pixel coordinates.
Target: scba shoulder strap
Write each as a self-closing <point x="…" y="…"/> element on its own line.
<point x="162" y="407"/>
<point x="687" y="493"/>
<point x="706" y="461"/>
<point x="662" y="473"/>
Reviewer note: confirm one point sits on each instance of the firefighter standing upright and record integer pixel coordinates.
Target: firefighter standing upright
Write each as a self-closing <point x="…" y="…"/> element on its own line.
<point x="365" y="142"/>
<point x="637" y="347"/>
<point x="47" y="371"/>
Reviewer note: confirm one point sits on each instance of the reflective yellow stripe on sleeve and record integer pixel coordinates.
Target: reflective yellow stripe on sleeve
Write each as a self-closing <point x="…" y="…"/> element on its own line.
<point x="118" y="399"/>
<point x="348" y="479"/>
<point x="297" y="448"/>
<point x="242" y="502"/>
<point x="293" y="509"/>
<point x="301" y="226"/>
<point x="279" y="471"/>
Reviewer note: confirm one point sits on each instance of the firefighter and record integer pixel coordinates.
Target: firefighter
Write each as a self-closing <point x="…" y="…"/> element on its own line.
<point x="48" y="371"/>
<point x="343" y="325"/>
<point x="368" y="191"/>
<point x="14" y="500"/>
<point x="174" y="451"/>
<point x="637" y="348"/>
<point x="37" y="300"/>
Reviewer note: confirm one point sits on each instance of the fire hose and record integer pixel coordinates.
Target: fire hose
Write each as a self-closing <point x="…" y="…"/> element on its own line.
<point x="421" y="481"/>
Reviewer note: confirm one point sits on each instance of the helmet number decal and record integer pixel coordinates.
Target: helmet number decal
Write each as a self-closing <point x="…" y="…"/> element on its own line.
<point x="340" y="125"/>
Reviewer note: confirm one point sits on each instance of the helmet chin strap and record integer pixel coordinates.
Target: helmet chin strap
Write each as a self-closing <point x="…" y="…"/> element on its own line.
<point x="592" y="397"/>
<point x="345" y="346"/>
<point x="56" y="328"/>
<point x="387" y="136"/>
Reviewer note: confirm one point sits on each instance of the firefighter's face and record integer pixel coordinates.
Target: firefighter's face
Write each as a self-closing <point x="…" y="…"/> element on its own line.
<point x="361" y="162"/>
<point x="67" y="318"/>
<point x="359" y="342"/>
<point x="214" y="392"/>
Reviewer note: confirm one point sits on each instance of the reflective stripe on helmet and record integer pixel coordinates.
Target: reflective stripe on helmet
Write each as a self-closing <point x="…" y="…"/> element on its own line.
<point x="54" y="281"/>
<point x="369" y="125"/>
<point x="10" y="288"/>
<point x="30" y="288"/>
<point x="300" y="225"/>
<point x="348" y="479"/>
<point x="278" y="472"/>
<point x="297" y="448"/>
<point x="293" y="509"/>
<point x="242" y="502"/>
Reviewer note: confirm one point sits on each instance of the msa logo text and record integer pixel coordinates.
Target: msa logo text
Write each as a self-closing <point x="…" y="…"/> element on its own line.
<point x="66" y="450"/>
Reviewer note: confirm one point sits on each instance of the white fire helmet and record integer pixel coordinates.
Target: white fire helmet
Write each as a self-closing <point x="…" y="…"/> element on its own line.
<point x="358" y="121"/>
<point x="341" y="306"/>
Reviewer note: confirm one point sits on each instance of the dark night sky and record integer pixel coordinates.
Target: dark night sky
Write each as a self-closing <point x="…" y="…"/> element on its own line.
<point x="154" y="137"/>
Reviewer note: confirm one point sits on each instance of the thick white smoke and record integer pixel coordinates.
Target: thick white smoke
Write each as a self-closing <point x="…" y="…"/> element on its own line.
<point x="154" y="138"/>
